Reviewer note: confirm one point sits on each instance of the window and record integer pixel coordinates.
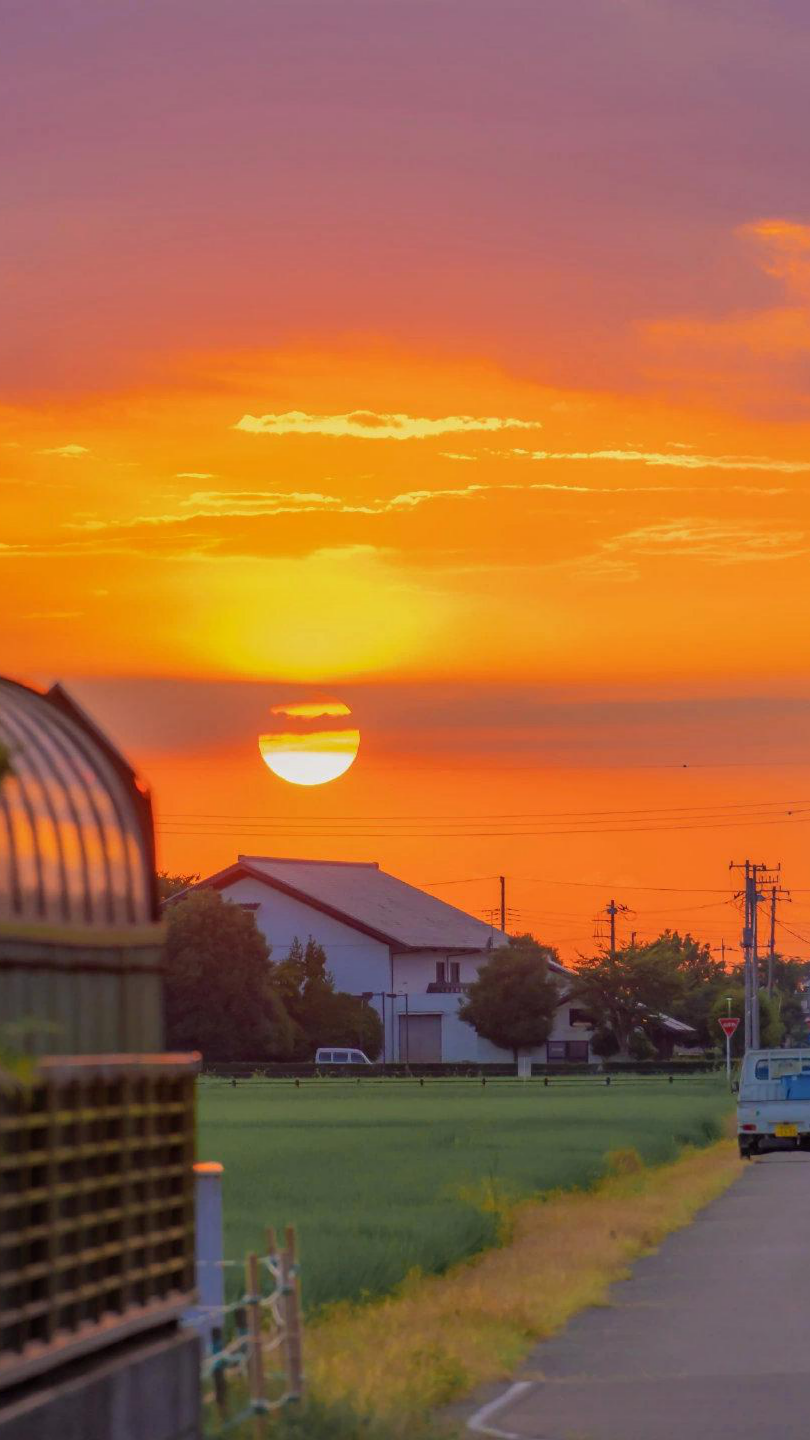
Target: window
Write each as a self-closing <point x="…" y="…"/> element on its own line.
<point x="340" y="1057"/>
<point x="761" y="1071"/>
<point x="578" y="1017"/>
<point x="441" y="972"/>
<point x="575" y="1051"/>
<point x="455" y="972"/>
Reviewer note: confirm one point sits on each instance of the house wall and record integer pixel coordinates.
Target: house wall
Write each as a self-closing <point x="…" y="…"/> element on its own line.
<point x="361" y="964"/>
<point x="459" y="1041"/>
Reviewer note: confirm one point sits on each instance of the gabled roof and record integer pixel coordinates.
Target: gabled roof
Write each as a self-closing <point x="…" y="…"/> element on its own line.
<point x="369" y="900"/>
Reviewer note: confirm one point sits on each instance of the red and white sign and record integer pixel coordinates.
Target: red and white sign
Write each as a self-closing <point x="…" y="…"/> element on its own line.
<point x="728" y="1024"/>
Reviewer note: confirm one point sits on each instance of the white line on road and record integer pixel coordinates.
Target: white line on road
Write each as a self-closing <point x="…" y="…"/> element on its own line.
<point x="478" y="1421"/>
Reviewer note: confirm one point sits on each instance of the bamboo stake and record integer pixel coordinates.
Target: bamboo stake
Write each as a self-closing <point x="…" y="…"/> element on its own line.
<point x="255" y="1365"/>
<point x="292" y="1311"/>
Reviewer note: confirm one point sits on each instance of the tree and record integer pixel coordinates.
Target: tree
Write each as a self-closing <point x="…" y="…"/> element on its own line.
<point x="514" y="999"/>
<point x="771" y="1029"/>
<point x="703" y="978"/>
<point x="169" y="884"/>
<point x="628" y="990"/>
<point x="789" y="976"/>
<point x="219" y="998"/>
<point x="321" y="1014"/>
<point x="527" y="944"/>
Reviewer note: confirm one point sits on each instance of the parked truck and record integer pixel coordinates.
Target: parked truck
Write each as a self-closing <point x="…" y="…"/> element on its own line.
<point x="773" y="1104"/>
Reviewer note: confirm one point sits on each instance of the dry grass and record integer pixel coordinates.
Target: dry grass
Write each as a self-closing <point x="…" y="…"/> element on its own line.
<point x="436" y="1337"/>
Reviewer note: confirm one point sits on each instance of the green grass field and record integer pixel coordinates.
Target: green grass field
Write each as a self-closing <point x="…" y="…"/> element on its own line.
<point x="383" y="1177"/>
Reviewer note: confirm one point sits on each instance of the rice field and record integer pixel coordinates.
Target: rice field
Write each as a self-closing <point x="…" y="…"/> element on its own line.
<point x="382" y="1178"/>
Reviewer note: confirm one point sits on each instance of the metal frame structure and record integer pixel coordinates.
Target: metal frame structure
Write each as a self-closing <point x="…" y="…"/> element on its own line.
<point x="96" y="1123"/>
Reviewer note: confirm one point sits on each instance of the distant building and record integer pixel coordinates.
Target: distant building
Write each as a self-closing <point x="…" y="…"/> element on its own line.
<point x="409" y="953"/>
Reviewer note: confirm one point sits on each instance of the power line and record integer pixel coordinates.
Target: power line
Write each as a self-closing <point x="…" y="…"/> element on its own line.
<point x="647" y="810"/>
<point x="749" y="822"/>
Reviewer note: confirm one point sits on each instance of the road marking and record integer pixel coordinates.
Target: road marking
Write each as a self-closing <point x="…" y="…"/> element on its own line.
<point x="478" y="1421"/>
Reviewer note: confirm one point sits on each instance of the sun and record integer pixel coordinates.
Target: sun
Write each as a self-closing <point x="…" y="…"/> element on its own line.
<point x="303" y="747"/>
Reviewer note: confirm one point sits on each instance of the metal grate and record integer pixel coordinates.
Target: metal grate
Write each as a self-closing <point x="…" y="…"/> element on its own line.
<point x="96" y="1205"/>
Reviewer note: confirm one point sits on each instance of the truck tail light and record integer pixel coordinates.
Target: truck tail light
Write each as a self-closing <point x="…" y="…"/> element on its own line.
<point x="748" y="1127"/>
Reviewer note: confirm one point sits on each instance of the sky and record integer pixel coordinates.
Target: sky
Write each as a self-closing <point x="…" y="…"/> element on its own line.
<point x="450" y="359"/>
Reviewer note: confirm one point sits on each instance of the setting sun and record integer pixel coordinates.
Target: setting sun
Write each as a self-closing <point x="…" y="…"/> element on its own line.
<point x="300" y="753"/>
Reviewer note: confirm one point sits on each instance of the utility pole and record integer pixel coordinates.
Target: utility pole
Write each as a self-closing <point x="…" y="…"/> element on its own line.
<point x="777" y="893"/>
<point x="755" y="875"/>
<point x="502" y="879"/>
<point x="611" y="910"/>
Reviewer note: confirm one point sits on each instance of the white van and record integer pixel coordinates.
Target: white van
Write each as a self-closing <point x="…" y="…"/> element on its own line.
<point x="773" y="1105"/>
<point x="341" y="1057"/>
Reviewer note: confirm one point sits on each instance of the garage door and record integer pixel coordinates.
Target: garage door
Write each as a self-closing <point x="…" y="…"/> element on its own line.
<point x="420" y="1038"/>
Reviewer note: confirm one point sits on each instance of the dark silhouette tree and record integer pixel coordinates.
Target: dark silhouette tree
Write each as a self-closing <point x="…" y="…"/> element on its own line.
<point x="323" y="1015"/>
<point x="169" y="884"/>
<point x="219" y="995"/>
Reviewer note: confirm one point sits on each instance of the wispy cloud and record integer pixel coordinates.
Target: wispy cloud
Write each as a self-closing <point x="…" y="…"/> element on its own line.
<point x="67" y="452"/>
<point x="195" y="475"/>
<point x="716" y="541"/>
<point x="679" y="460"/>
<point x="224" y="504"/>
<point x="371" y="425"/>
<point x="453" y="455"/>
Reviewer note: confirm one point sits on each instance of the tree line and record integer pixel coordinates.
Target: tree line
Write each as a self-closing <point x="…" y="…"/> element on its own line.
<point x="627" y="995"/>
<point x="227" y="996"/>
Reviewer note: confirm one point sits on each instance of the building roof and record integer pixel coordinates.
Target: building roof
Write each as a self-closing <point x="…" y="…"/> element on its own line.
<point x="366" y="898"/>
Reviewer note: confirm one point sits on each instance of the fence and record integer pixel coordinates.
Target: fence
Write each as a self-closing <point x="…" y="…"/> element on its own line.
<point x="96" y="1206"/>
<point x="239" y="1385"/>
<point x="268" y="1070"/>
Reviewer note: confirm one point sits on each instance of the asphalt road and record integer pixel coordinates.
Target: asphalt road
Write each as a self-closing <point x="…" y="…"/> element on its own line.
<point x="709" y="1337"/>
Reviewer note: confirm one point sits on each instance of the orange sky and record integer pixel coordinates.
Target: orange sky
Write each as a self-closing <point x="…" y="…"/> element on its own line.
<point x="456" y="366"/>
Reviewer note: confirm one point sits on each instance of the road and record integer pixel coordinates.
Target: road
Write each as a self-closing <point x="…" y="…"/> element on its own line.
<point x="710" y="1336"/>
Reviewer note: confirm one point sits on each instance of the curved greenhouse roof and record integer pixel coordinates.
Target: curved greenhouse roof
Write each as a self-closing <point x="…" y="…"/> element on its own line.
<point x="76" y="836"/>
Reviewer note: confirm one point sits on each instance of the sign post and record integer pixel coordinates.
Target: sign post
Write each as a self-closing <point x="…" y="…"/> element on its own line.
<point x="728" y="1024"/>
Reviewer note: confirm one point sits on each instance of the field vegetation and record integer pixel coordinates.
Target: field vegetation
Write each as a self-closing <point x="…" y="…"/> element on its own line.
<point x="386" y="1178"/>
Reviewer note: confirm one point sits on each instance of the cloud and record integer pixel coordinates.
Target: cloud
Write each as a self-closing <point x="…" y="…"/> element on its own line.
<point x="254" y="504"/>
<point x="233" y="504"/>
<point x="369" y="425"/>
<point x="452" y="455"/>
<point x="195" y="475"/>
<point x="716" y="541"/>
<point x="679" y="461"/>
<point x="68" y="452"/>
<point x="787" y="252"/>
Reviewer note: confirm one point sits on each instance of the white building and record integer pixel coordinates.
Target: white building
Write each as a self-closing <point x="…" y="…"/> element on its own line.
<point x="408" y="952"/>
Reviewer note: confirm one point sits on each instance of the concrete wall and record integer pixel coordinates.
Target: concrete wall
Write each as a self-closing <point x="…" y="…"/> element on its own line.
<point x="146" y="1390"/>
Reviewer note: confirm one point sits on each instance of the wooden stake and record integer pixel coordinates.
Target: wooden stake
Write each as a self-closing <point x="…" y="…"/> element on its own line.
<point x="292" y="1311"/>
<point x="255" y="1364"/>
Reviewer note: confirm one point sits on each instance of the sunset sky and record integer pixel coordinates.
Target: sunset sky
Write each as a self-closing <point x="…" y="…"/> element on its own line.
<point x="450" y="359"/>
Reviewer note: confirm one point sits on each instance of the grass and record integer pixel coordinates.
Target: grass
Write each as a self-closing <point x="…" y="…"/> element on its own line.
<point x="438" y="1337"/>
<point x="388" y="1178"/>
